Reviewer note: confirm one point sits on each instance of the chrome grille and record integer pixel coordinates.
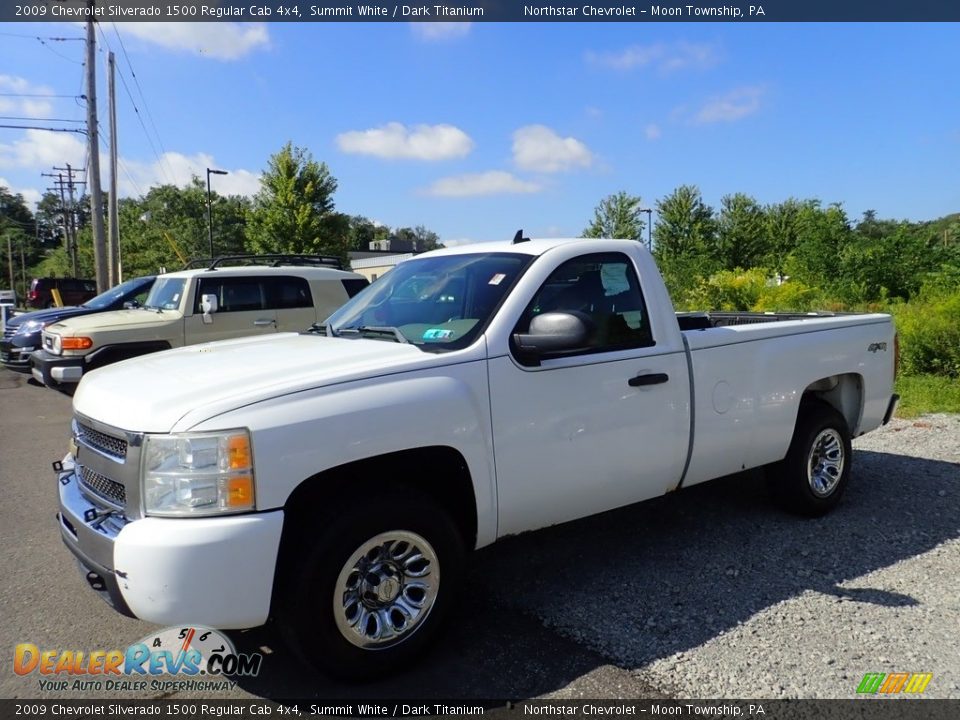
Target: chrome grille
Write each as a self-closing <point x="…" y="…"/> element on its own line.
<point x="115" y="447"/>
<point x="102" y="486"/>
<point x="9" y="331"/>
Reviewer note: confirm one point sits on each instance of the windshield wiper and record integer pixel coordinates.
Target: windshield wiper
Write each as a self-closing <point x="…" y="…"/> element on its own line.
<point x="378" y="331"/>
<point x="322" y="329"/>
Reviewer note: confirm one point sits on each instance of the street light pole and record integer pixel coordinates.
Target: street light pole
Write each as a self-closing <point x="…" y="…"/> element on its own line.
<point x="649" y="213"/>
<point x="209" y="213"/>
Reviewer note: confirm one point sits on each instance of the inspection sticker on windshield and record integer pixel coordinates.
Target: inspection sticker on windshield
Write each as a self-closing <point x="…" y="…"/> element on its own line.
<point x="437" y="334"/>
<point x="497" y="279"/>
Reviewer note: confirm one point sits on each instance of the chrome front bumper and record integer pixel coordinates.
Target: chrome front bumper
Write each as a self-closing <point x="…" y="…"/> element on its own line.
<point x="89" y="531"/>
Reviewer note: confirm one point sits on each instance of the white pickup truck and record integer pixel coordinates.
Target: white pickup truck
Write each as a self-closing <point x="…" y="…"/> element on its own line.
<point x="333" y="480"/>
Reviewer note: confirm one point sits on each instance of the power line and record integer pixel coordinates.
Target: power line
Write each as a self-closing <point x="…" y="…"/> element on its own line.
<point x="37" y="127"/>
<point x="123" y="167"/>
<point x="41" y="38"/>
<point x="40" y="95"/>
<point x="38" y="119"/>
<point x="143" y="97"/>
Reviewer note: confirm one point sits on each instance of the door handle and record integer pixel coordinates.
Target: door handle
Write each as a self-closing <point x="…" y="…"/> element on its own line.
<point x="648" y="379"/>
<point x="264" y="322"/>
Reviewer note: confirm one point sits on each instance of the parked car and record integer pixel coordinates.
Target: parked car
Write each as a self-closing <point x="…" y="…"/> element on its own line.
<point x="72" y="291"/>
<point x="215" y="302"/>
<point x="335" y="480"/>
<point x="22" y="334"/>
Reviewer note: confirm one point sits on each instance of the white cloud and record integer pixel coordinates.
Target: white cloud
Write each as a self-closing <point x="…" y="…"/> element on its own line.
<point x="735" y="105"/>
<point x="222" y="40"/>
<point x="665" y="58"/>
<point x="30" y="107"/>
<point x="493" y="182"/>
<point x="30" y="195"/>
<point x="41" y="149"/>
<point x="540" y="149"/>
<point x="396" y="140"/>
<point x="433" y="31"/>
<point x="180" y="169"/>
<point x="652" y="131"/>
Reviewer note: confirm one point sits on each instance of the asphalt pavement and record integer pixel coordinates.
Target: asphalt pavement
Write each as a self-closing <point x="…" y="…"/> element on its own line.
<point x="711" y="592"/>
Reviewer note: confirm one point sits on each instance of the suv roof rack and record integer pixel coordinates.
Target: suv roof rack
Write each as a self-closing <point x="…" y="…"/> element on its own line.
<point x="272" y="260"/>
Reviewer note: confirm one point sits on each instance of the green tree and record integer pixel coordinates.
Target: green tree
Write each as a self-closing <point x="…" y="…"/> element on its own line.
<point x="741" y="239"/>
<point x="617" y="216"/>
<point x="18" y="243"/>
<point x="167" y="222"/>
<point x="363" y="231"/>
<point x="822" y="235"/>
<point x="781" y="227"/>
<point x="294" y="210"/>
<point x="682" y="238"/>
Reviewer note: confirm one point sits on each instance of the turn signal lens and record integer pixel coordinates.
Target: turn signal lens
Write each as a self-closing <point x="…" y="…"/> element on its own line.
<point x="238" y="452"/>
<point x="76" y="343"/>
<point x="240" y="492"/>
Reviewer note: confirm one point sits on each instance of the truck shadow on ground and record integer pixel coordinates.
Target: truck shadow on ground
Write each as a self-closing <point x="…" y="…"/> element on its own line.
<point x="641" y="583"/>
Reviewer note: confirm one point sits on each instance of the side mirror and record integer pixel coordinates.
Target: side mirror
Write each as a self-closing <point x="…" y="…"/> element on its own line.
<point x="554" y="332"/>
<point x="208" y="303"/>
<point x="131" y="305"/>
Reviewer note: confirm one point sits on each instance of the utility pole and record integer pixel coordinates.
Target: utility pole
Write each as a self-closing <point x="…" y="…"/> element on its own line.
<point x="68" y="211"/>
<point x="96" y="194"/>
<point x="113" y="238"/>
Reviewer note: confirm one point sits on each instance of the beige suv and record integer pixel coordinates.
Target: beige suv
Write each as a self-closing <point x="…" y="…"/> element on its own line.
<point x="216" y="302"/>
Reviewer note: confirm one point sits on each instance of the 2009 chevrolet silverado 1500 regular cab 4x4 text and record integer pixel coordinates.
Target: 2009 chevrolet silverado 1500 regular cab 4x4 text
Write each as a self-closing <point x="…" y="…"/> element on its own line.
<point x="333" y="480"/>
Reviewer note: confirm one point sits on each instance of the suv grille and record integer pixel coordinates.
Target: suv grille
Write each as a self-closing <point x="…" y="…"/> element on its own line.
<point x="102" y="486"/>
<point x="115" y="447"/>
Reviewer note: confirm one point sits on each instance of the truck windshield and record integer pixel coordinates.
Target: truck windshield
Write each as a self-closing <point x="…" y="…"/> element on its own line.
<point x="165" y="294"/>
<point x="438" y="303"/>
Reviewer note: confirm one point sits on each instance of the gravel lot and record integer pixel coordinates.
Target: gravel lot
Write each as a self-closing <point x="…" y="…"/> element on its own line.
<point x="709" y="593"/>
<point x="714" y="594"/>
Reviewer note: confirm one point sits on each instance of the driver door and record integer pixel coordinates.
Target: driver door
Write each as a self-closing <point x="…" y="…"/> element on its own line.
<point x="572" y="435"/>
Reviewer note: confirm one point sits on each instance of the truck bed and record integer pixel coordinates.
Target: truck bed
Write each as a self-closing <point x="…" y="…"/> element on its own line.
<point x="704" y="320"/>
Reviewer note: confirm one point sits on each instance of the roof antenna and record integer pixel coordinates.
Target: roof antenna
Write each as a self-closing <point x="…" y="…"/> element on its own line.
<point x="519" y="238"/>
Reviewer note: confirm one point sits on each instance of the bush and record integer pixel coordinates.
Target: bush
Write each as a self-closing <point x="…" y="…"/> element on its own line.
<point x="753" y="290"/>
<point x="929" y="330"/>
<point x="730" y="290"/>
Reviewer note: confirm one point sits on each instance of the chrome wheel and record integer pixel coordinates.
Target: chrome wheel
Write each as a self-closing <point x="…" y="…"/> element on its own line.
<point x="825" y="462"/>
<point x="386" y="590"/>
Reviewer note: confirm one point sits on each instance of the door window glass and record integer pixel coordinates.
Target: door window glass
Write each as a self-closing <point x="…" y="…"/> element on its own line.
<point x="604" y="290"/>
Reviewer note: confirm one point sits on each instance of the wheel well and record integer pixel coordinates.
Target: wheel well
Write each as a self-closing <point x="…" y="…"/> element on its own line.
<point x="438" y="471"/>
<point x="844" y="393"/>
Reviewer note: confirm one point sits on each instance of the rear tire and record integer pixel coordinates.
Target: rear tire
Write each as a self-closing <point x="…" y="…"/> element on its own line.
<point x="812" y="478"/>
<point x="367" y="592"/>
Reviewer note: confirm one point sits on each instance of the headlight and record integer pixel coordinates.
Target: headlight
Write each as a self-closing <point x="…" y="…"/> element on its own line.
<point x="57" y="344"/>
<point x="30" y="326"/>
<point x="193" y="474"/>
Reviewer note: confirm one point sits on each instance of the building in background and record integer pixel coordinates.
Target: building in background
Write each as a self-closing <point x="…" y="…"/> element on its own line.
<point x="374" y="264"/>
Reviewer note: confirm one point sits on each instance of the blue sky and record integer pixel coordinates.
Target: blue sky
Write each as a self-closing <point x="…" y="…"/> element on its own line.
<point x="475" y="130"/>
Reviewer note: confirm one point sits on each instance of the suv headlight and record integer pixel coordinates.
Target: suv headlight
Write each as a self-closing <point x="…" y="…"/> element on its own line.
<point x="190" y="474"/>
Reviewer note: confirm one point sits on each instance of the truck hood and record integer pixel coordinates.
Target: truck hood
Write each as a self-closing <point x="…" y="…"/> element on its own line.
<point x="115" y="319"/>
<point x="47" y="316"/>
<point x="154" y="393"/>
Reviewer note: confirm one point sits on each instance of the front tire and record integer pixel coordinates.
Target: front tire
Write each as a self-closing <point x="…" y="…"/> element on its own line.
<point x="371" y="590"/>
<point x="812" y="478"/>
